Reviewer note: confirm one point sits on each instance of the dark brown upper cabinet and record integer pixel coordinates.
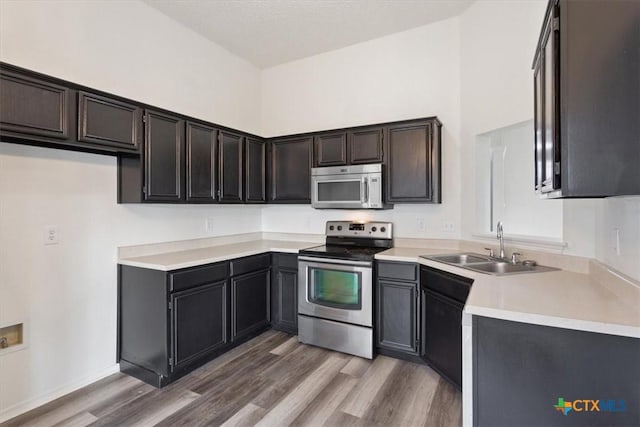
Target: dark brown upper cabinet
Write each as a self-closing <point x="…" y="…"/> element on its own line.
<point x="164" y="157"/>
<point x="365" y="146"/>
<point x="36" y="109"/>
<point x="255" y="171"/>
<point x="30" y="106"/>
<point x="351" y="147"/>
<point x="231" y="167"/>
<point x="290" y="161"/>
<point x="330" y="149"/>
<point x="587" y="103"/>
<point x="412" y="151"/>
<point x="201" y="163"/>
<point x="108" y="122"/>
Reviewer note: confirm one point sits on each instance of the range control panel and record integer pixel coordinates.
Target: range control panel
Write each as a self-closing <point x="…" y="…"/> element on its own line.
<point x="373" y="230"/>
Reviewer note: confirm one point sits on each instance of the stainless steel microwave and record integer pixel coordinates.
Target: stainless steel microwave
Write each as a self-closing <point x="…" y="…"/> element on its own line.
<point x="347" y="187"/>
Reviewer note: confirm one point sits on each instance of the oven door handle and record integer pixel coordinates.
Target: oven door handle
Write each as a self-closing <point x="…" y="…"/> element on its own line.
<point x="334" y="261"/>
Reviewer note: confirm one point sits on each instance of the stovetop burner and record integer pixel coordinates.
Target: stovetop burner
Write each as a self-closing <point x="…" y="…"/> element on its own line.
<point x="343" y="252"/>
<point x="353" y="240"/>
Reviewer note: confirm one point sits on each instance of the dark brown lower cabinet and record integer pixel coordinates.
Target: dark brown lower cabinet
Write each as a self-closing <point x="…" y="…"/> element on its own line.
<point x="284" y="293"/>
<point x="521" y="371"/>
<point x="169" y="323"/>
<point x="398" y="310"/>
<point x="250" y="303"/>
<point x="199" y="322"/>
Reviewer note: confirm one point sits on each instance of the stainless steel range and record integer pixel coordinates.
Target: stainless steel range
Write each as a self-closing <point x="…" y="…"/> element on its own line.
<point x="335" y="287"/>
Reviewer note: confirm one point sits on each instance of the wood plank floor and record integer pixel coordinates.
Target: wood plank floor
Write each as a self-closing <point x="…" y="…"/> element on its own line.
<point x="271" y="380"/>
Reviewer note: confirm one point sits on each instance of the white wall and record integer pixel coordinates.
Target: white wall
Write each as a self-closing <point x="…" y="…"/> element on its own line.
<point x="497" y="40"/>
<point x="405" y="75"/>
<point x="67" y="292"/>
<point x="622" y="213"/>
<point x="132" y="50"/>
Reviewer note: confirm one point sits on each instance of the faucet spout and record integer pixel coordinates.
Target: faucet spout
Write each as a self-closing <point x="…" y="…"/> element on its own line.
<point x="500" y="237"/>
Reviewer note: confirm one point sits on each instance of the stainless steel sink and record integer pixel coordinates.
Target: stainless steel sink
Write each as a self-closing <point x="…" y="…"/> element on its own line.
<point x="488" y="265"/>
<point x="460" y="259"/>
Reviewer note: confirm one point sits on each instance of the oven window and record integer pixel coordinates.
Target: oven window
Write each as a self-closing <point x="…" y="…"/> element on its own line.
<point x="333" y="288"/>
<point x="338" y="191"/>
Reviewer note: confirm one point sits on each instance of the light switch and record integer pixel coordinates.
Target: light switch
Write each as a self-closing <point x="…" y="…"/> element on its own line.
<point x="51" y="235"/>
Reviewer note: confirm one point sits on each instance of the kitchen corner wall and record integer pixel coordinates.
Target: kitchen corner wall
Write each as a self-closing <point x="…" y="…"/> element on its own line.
<point x="66" y="293"/>
<point x="406" y="75"/>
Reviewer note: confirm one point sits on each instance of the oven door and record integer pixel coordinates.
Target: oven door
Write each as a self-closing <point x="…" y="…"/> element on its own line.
<point x="339" y="191"/>
<point x="336" y="290"/>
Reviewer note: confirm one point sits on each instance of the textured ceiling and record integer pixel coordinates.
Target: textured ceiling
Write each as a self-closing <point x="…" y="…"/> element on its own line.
<point x="272" y="32"/>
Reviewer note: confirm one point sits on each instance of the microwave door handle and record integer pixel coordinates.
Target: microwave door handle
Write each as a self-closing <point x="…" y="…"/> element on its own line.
<point x="363" y="186"/>
<point x="366" y="190"/>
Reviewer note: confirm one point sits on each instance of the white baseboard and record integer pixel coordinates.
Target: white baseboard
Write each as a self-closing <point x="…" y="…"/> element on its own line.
<point x="22" y="407"/>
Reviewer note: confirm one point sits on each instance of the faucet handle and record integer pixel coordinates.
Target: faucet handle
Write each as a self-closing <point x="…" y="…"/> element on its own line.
<point x="490" y="251"/>
<point x="514" y="257"/>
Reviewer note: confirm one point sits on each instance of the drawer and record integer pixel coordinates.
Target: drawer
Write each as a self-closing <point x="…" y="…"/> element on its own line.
<point x="289" y="261"/>
<point x="398" y="271"/>
<point x="197" y="276"/>
<point x="250" y="263"/>
<point x="448" y="284"/>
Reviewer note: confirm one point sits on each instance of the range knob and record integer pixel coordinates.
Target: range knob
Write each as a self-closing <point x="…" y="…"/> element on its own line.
<point x="383" y="229"/>
<point x="339" y="228"/>
<point x="374" y="229"/>
<point x="331" y="227"/>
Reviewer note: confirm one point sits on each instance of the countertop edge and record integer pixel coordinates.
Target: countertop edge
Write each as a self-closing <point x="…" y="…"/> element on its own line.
<point x="132" y="262"/>
<point x="555" y="322"/>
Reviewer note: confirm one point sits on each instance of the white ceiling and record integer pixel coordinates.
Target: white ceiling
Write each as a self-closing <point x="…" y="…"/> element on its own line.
<point x="272" y="32"/>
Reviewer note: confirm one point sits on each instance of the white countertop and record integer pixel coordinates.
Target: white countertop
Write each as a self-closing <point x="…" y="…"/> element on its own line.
<point x="193" y="257"/>
<point x="557" y="298"/>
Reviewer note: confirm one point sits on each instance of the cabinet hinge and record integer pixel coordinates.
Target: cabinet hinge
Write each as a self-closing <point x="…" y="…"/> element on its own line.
<point x="171" y="361"/>
<point x="144" y="118"/>
<point x="556" y="24"/>
<point x="144" y="189"/>
<point x="170" y="305"/>
<point x="556" y="168"/>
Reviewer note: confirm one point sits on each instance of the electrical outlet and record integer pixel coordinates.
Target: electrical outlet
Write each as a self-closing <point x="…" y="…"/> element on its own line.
<point x="420" y="224"/>
<point x="616" y="241"/>
<point x="209" y="225"/>
<point x="448" y="226"/>
<point x="51" y="235"/>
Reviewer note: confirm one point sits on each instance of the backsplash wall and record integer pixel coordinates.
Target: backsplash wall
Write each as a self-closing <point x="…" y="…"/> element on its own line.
<point x="623" y="214"/>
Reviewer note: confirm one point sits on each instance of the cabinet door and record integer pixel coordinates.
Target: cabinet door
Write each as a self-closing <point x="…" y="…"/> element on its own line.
<point x="249" y="303"/>
<point x="201" y="149"/>
<point x="290" y="170"/>
<point x="33" y="107"/>
<point x="397" y="316"/>
<point x="412" y="163"/>
<point x="163" y="157"/>
<point x="255" y="171"/>
<point x="285" y="304"/>
<point x="330" y="149"/>
<point x="365" y="146"/>
<point x="443" y="335"/>
<point x="538" y="124"/>
<point x="199" y="322"/>
<point x="105" y="121"/>
<point x="230" y="167"/>
<point x="550" y="110"/>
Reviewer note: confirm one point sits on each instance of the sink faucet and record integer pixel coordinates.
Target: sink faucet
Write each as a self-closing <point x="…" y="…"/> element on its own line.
<point x="501" y="239"/>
